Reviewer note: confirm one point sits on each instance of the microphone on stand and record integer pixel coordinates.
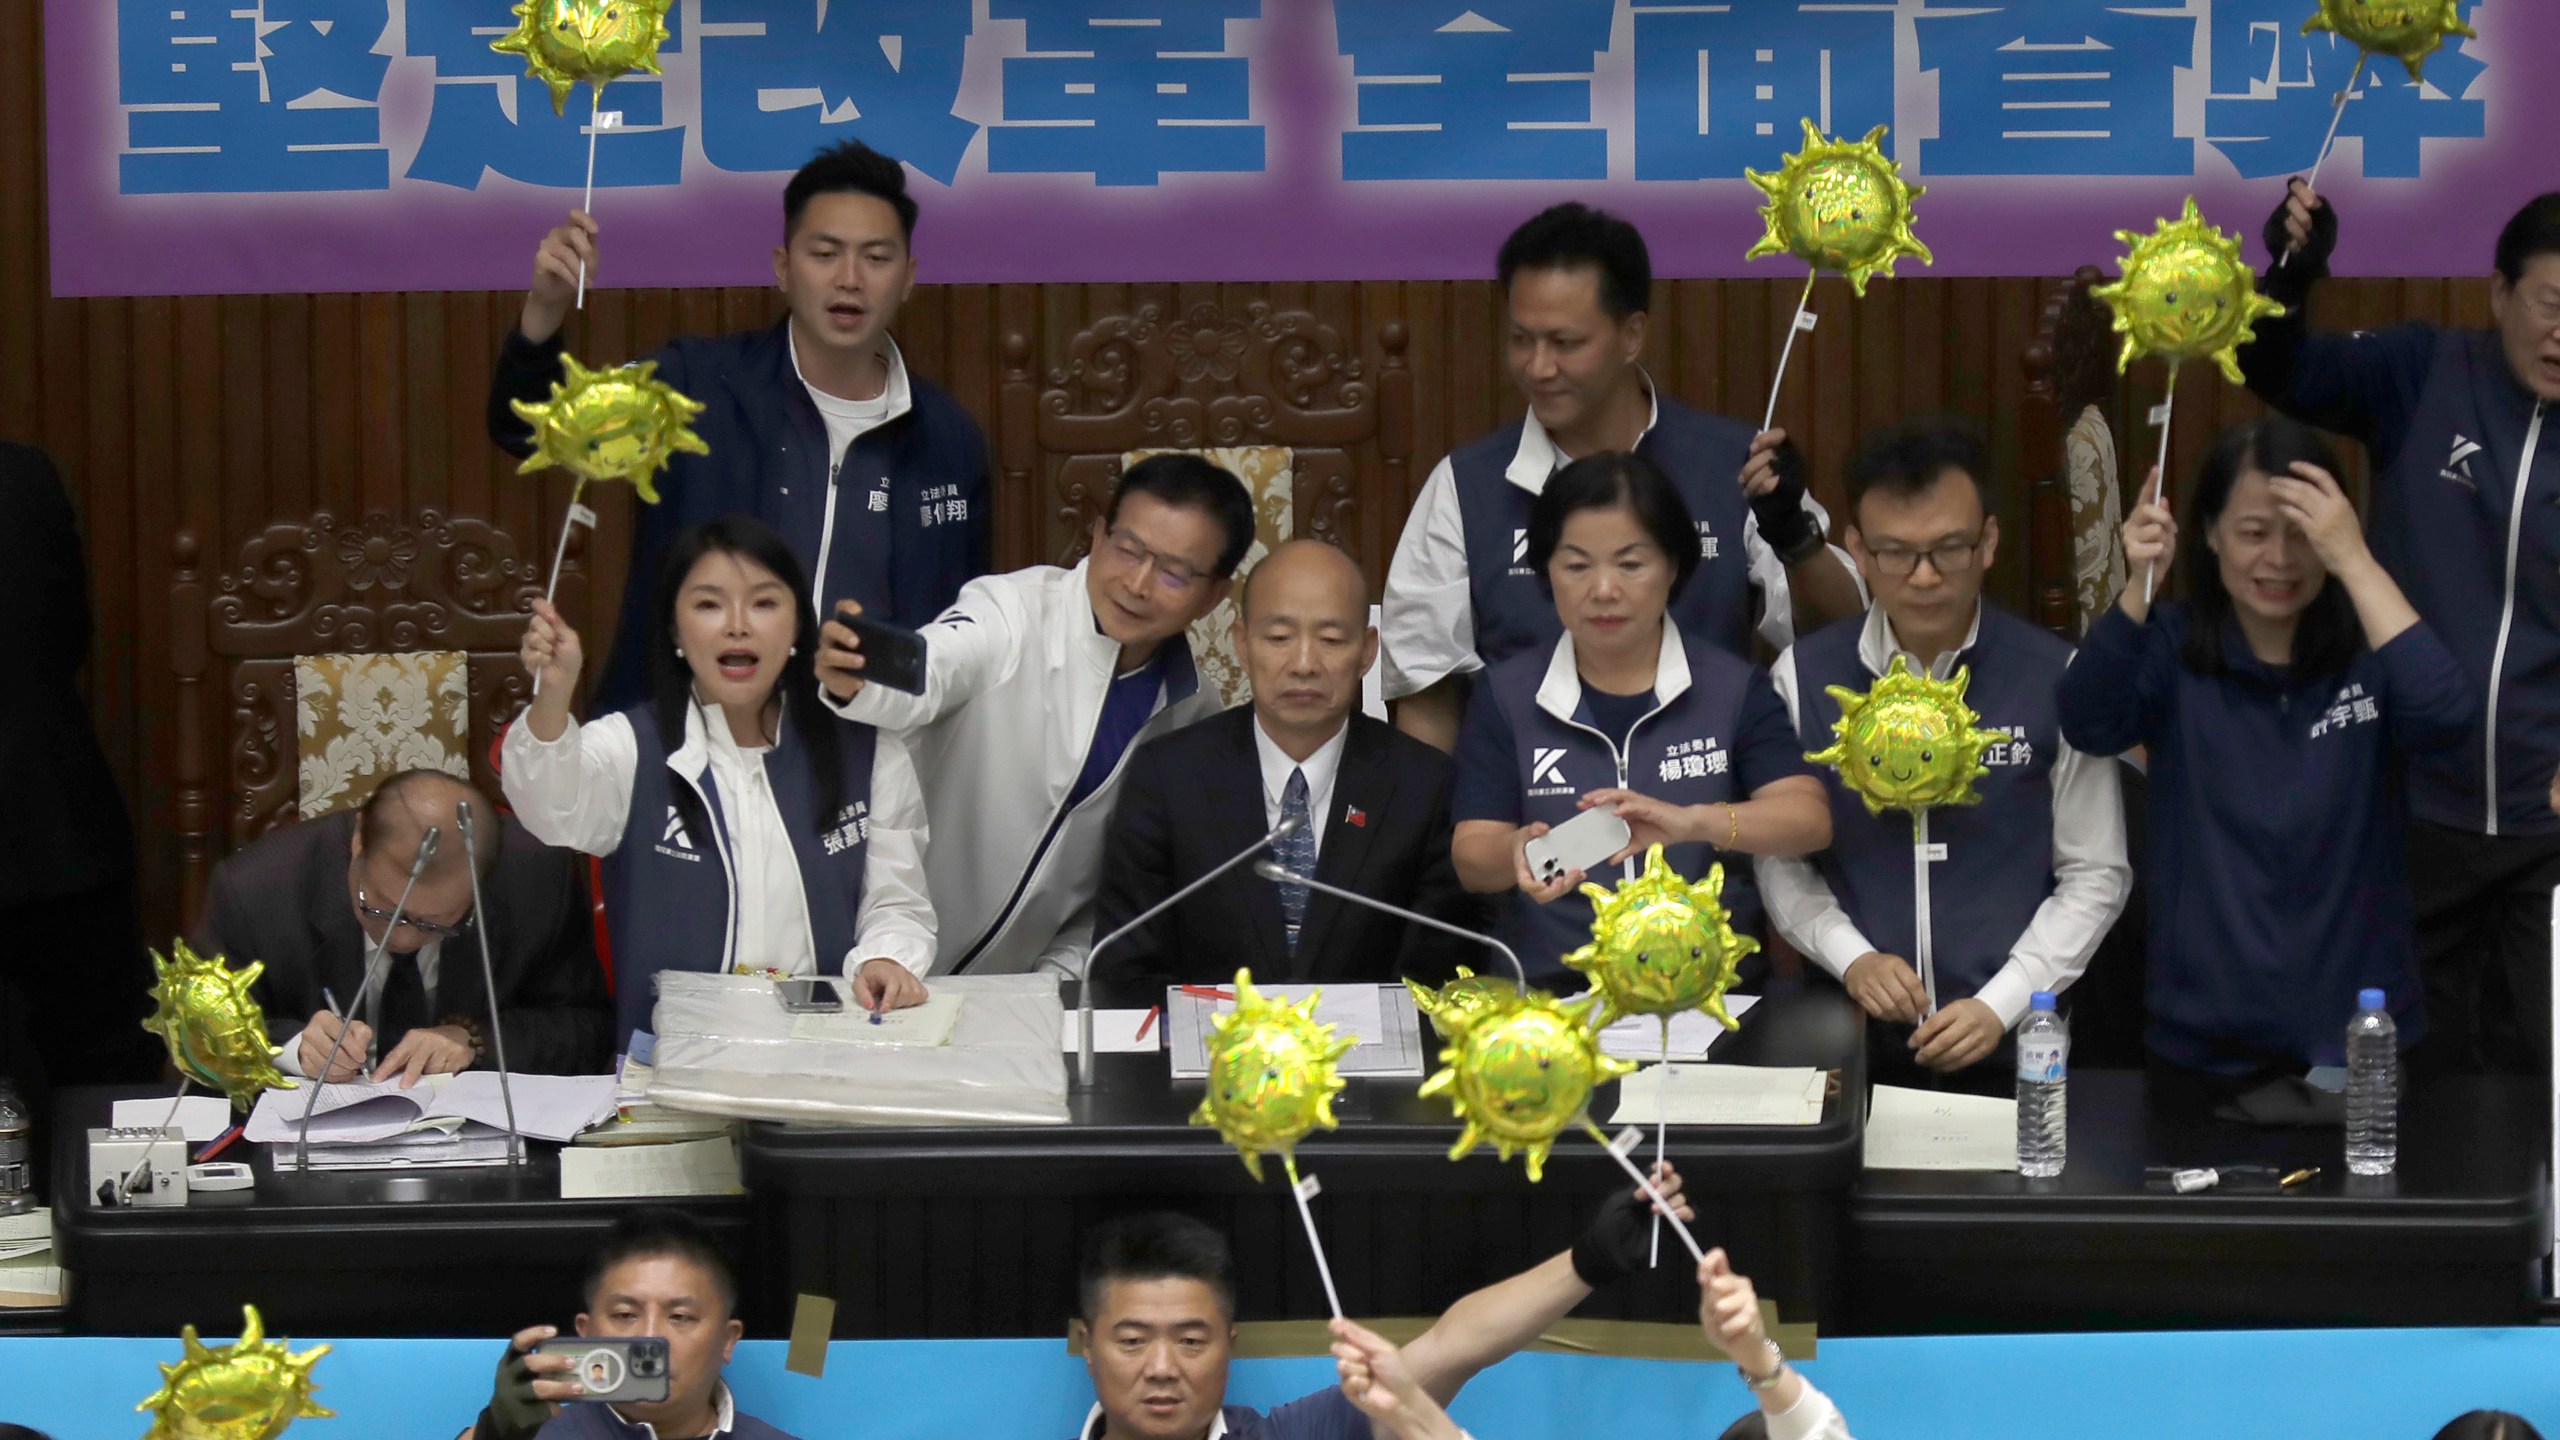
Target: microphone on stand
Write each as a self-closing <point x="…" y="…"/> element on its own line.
<point x="1279" y="874"/>
<point x="1084" y="997"/>
<point x="373" y="967"/>
<point x="488" y="980"/>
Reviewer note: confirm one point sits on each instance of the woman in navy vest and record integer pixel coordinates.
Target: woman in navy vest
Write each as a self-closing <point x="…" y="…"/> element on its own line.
<point x="745" y="827"/>
<point x="1688" y="744"/>
<point x="2280" y="706"/>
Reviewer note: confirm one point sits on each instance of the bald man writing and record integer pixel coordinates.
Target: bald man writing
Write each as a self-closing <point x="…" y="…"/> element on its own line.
<point x="313" y="899"/>
<point x="1375" y="802"/>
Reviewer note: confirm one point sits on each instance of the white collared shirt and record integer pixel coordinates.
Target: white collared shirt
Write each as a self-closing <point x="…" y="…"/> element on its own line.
<point x="2091" y="876"/>
<point x="290" y="1062"/>
<point x="1428" y="631"/>
<point x="1093" y="1426"/>
<point x="1320" y="768"/>
<point x="725" y="1409"/>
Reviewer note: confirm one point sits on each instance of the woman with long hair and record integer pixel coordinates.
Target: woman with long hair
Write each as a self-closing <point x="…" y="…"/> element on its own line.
<point x="744" y="826"/>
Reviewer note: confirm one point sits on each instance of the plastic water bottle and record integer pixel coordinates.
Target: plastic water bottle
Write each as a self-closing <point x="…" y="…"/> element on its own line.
<point x="2044" y="1066"/>
<point x="17" y="1128"/>
<point x="2373" y="1088"/>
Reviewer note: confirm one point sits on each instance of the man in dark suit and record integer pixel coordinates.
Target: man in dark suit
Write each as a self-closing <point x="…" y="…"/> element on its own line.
<point x="1376" y="804"/>
<point x="312" y="900"/>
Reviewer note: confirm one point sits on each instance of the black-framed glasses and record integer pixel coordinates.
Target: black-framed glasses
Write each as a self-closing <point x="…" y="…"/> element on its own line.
<point x="1167" y="572"/>
<point x="428" y="928"/>
<point x="1954" y="557"/>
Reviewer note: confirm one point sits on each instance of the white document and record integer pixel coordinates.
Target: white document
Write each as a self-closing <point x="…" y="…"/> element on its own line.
<point x="690" y="1167"/>
<point x="30" y="1281"/>
<point x="1115" y="1032"/>
<point x="1722" y="1095"/>
<point x="1927" y="1130"/>
<point x="930" y="1023"/>
<point x="202" y="1117"/>
<point x="1639" y="1037"/>
<point x="33" y="1225"/>
<point x="547" y="1107"/>
<point x="1380" y="1018"/>
<point x="419" y="1150"/>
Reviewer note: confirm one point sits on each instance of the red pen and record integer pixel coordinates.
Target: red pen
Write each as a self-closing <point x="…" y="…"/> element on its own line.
<point x="1149" y="1023"/>
<point x="1207" y="992"/>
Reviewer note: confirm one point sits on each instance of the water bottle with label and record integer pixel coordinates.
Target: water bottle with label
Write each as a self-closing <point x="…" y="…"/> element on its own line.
<point x="2373" y="1088"/>
<point x="2044" y="1066"/>
<point x="17" y="1125"/>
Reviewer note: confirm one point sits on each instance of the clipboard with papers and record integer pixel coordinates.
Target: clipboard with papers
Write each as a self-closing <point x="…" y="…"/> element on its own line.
<point x="1381" y="1017"/>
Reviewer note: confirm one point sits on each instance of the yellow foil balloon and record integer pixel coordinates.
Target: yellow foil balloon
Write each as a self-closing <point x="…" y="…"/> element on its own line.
<point x="1463" y="996"/>
<point x="1839" y="206"/>
<point x="1660" y="945"/>
<point x="2186" y="295"/>
<point x="618" y="424"/>
<point x="1909" y="743"/>
<point x="217" y="1035"/>
<point x="2406" y="30"/>
<point x="565" y="42"/>
<point x="251" y="1389"/>
<point x="1271" y="1075"/>
<point x="1519" y="1070"/>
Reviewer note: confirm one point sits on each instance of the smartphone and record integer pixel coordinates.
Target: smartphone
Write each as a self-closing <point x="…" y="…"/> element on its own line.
<point x="1584" y="842"/>
<point x="892" y="655"/>
<point x="614" y="1367"/>
<point x="810" y="997"/>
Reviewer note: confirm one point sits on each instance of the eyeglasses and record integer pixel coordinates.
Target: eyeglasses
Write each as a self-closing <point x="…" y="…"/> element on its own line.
<point x="1952" y="558"/>
<point x="428" y="928"/>
<point x="1171" y="576"/>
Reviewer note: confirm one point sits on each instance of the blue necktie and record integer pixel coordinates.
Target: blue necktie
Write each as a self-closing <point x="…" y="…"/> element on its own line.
<point x="1298" y="852"/>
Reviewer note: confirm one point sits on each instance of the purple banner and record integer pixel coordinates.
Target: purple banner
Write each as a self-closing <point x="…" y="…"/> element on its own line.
<point x="248" y="146"/>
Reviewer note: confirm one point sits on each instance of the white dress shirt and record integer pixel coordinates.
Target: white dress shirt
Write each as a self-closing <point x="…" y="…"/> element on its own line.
<point x="2091" y="876"/>
<point x="1429" y="632"/>
<point x="1812" y="1417"/>
<point x="576" y="792"/>
<point x="1320" y="769"/>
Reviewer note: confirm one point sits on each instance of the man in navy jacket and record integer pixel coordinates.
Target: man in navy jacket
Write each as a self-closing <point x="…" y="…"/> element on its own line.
<point x="877" y="478"/>
<point x="2464" y="430"/>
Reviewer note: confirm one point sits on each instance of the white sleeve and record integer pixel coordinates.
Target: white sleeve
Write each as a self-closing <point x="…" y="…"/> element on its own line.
<point x="2092" y="879"/>
<point x="966" y="649"/>
<point x="1812" y="1417"/>
<point x="896" y="919"/>
<point x="289" y="1058"/>
<point x="573" y="792"/>
<point x="1792" y="890"/>
<point x="1428" y="632"/>
<point x="1769" y="575"/>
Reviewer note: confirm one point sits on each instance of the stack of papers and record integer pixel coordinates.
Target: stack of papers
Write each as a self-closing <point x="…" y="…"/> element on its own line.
<point x="28" y="1274"/>
<point x="1722" y="1095"/>
<point x="930" y="1023"/>
<point x="691" y="1167"/>
<point x="1639" y="1037"/>
<point x="1926" y="1130"/>
<point x="201" y="1117"/>
<point x="547" y="1107"/>
<point x="1381" y="1018"/>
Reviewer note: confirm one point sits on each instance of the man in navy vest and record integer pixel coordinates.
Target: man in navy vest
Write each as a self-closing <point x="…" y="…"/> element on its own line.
<point x="1460" y="595"/>
<point x="2464" y="430"/>
<point x="816" y="427"/>
<point x="2023" y="885"/>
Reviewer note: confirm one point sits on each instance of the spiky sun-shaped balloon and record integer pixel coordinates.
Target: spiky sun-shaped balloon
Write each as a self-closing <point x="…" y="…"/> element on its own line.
<point x="1271" y="1074"/>
<point x="565" y="42"/>
<point x="618" y="424"/>
<point x="1839" y="206"/>
<point x="2185" y="295"/>
<point x="2406" y="30"/>
<point x="1660" y="945"/>
<point x="1909" y="743"/>
<point x="250" y="1389"/>
<point x="1519" y="1070"/>
<point x="1463" y="996"/>
<point x="217" y="1035"/>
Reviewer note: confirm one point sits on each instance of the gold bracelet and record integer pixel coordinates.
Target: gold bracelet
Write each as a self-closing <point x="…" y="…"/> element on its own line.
<point x="1733" y="827"/>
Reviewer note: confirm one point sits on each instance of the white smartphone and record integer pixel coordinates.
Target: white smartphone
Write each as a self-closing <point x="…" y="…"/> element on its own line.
<point x="1584" y="842"/>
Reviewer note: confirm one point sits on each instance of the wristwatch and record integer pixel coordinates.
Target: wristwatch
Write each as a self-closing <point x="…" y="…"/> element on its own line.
<point x="1777" y="1368"/>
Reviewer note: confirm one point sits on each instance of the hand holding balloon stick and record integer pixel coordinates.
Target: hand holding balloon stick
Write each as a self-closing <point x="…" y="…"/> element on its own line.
<point x="1271" y="1080"/>
<point x="1836" y="206"/>
<point x="2405" y="30"/>
<point x="566" y="42"/>
<point x="2184" y="295"/>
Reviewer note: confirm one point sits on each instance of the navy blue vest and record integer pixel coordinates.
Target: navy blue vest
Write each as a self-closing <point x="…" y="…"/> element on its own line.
<point x="1703" y="455"/>
<point x="1999" y="865"/>
<point x="1681" y="752"/>
<point x="670" y="894"/>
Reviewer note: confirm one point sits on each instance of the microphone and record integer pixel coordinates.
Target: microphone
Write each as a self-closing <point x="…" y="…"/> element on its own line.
<point x="1279" y="874"/>
<point x="1288" y="826"/>
<point x="373" y="968"/>
<point x="488" y="979"/>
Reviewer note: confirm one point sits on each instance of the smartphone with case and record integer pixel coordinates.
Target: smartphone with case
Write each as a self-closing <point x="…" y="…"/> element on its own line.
<point x="614" y="1368"/>
<point x="892" y="655"/>
<point x="1584" y="842"/>
<point x="810" y="997"/>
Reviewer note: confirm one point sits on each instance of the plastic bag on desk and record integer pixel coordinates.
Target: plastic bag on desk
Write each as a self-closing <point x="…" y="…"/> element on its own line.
<point x="725" y="1047"/>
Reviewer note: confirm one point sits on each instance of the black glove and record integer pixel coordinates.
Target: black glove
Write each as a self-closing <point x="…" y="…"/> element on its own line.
<point x="2312" y="261"/>
<point x="1617" y="1242"/>
<point x="1785" y="524"/>
<point x="513" y="1413"/>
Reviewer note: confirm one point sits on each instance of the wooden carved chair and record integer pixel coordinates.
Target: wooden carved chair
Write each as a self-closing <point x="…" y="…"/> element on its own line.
<point x="2075" y="480"/>
<point x="331" y="655"/>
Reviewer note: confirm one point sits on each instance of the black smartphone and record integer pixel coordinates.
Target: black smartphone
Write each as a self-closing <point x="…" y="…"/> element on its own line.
<point x="614" y="1367"/>
<point x="892" y="655"/>
<point x="810" y="997"/>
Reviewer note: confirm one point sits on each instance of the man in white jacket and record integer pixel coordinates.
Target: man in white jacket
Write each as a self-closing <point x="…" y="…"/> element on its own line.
<point x="1037" y="686"/>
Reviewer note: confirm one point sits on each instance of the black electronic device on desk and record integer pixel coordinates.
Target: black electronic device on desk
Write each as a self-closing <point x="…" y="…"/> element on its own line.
<point x="950" y="1231"/>
<point x="462" y="1251"/>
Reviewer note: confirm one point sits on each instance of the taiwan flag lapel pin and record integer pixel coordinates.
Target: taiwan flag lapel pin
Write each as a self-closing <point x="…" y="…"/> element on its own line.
<point x="1354" y="815"/>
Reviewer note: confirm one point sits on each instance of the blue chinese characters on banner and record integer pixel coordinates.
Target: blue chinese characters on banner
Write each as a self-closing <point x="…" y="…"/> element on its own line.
<point x="1474" y="89"/>
<point x="1126" y="91"/>
<point x="222" y="99"/>
<point x="1722" y="90"/>
<point x="782" y="80"/>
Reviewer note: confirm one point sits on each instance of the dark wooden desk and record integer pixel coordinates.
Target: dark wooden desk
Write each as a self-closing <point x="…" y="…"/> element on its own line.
<point x="947" y="1231"/>
<point x="2458" y="1236"/>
